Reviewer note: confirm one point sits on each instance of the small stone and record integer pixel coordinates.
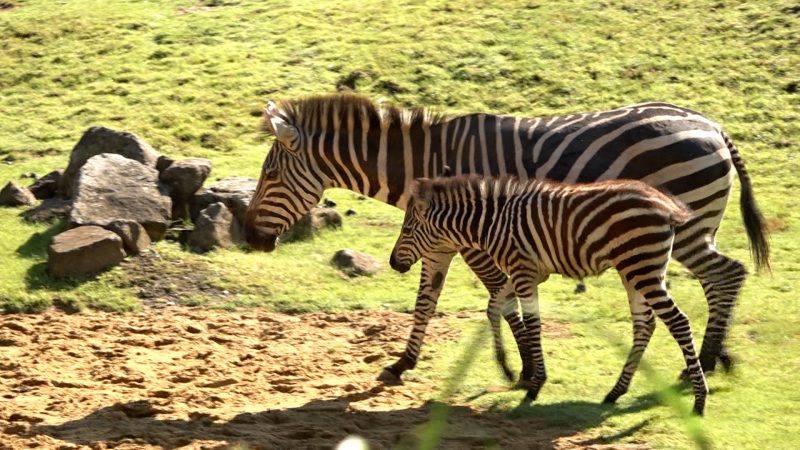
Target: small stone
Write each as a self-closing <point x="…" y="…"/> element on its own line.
<point x="134" y="237"/>
<point x="215" y="227"/>
<point x="354" y="263"/>
<point x="350" y="212"/>
<point x="13" y="195"/>
<point x="328" y="203"/>
<point x="184" y="178"/>
<point x="47" y="186"/>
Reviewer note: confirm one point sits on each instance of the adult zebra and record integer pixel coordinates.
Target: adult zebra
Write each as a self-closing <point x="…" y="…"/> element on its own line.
<point x="536" y="228"/>
<point x="350" y="142"/>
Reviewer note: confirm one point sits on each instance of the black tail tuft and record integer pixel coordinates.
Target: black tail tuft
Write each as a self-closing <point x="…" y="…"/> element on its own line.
<point x="753" y="220"/>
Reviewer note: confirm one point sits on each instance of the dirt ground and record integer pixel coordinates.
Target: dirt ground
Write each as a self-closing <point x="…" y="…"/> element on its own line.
<point x="209" y="379"/>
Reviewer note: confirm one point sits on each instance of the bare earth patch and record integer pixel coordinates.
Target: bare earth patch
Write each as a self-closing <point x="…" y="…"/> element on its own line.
<point x="177" y="377"/>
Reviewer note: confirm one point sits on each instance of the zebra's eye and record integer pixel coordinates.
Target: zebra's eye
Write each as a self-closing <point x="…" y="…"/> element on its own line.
<point x="271" y="174"/>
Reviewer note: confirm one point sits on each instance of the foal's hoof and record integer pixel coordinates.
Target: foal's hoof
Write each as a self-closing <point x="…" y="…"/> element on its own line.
<point x="507" y="373"/>
<point x="390" y="379"/>
<point x="610" y="399"/>
<point x="727" y="362"/>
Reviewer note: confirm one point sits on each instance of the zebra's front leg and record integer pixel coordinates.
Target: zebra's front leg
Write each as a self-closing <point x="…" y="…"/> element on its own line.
<point x="434" y="271"/>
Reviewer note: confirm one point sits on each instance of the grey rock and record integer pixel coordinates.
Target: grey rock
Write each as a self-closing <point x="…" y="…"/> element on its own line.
<point x="134" y="237"/>
<point x="47" y="186"/>
<point x="354" y="263"/>
<point x="163" y="163"/>
<point x="311" y="223"/>
<point x="113" y="188"/>
<point x="184" y="178"/>
<point x="234" y="192"/>
<point x="48" y="210"/>
<point x="83" y="251"/>
<point x="13" y="195"/>
<point x="99" y="140"/>
<point x="215" y="227"/>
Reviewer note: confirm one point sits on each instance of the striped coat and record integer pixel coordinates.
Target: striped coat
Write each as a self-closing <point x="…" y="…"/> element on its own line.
<point x="536" y="228"/>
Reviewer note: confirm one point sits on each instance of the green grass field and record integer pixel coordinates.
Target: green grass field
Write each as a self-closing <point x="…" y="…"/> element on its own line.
<point x="191" y="79"/>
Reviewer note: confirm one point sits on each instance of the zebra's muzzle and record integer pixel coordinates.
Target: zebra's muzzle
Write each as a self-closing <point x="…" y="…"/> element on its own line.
<point x="397" y="265"/>
<point x="259" y="240"/>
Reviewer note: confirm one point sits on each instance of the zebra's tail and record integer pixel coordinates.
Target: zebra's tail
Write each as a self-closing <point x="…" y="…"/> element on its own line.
<point x="753" y="220"/>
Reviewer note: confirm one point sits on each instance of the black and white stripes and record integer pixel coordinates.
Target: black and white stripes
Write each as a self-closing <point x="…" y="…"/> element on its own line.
<point x="535" y="228"/>
<point x="377" y="149"/>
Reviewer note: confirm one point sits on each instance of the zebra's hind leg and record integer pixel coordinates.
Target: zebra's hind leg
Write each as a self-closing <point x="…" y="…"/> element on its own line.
<point x="434" y="271"/>
<point x="504" y="303"/>
<point x="722" y="278"/>
<point x="644" y="323"/>
<point x="526" y="283"/>
<point x="501" y="300"/>
<point x="678" y="325"/>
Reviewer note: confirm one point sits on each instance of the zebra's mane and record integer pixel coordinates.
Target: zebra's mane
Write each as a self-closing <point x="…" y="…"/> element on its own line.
<point x="306" y="112"/>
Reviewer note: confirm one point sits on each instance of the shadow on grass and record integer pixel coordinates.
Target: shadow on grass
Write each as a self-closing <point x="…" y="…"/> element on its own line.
<point x="323" y="423"/>
<point x="36" y="245"/>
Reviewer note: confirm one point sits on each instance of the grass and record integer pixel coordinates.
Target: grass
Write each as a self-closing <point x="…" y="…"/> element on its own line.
<point x="192" y="77"/>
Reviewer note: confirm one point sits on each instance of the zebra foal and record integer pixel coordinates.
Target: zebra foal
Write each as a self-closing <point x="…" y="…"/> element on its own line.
<point x="536" y="228"/>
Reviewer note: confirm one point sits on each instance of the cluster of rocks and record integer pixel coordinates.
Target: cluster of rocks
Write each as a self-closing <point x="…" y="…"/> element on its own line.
<point x="120" y="195"/>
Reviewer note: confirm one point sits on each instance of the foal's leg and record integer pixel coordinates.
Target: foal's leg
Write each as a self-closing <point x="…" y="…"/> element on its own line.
<point x="533" y="374"/>
<point x="434" y="271"/>
<point x="643" y="325"/>
<point x="505" y="304"/>
<point x="502" y="301"/>
<point x="656" y="296"/>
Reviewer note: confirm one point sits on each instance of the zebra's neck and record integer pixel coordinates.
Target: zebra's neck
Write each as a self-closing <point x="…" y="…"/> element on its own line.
<point x="380" y="160"/>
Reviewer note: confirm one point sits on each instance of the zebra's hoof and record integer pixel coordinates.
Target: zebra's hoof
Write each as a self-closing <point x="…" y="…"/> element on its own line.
<point x="388" y="378"/>
<point x="525" y="384"/>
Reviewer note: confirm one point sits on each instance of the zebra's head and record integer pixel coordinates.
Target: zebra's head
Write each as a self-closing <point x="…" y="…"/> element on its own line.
<point x="287" y="188"/>
<point x="418" y="237"/>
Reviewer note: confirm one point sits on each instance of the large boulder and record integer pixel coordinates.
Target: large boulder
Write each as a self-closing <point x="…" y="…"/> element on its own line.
<point x="83" y="251"/>
<point x="99" y="140"/>
<point x="47" y="186"/>
<point x="354" y="263"/>
<point x="113" y="188"/>
<point x="234" y="192"/>
<point x="13" y="195"/>
<point x="215" y="227"/>
<point x="184" y="178"/>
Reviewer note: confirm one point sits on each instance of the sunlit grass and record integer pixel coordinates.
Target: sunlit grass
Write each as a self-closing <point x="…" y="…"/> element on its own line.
<point x="192" y="82"/>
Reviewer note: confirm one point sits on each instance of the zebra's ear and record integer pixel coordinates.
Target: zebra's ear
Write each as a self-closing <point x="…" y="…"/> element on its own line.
<point x="285" y="132"/>
<point x="423" y="194"/>
<point x="446" y="171"/>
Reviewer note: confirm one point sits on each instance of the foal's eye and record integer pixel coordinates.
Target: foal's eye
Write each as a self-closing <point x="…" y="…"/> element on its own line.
<point x="272" y="173"/>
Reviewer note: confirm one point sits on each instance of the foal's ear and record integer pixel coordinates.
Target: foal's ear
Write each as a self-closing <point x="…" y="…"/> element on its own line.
<point x="423" y="193"/>
<point x="284" y="131"/>
<point x="447" y="171"/>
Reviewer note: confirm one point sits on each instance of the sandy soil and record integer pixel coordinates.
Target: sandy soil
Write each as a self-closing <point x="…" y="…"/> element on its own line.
<point x="201" y="379"/>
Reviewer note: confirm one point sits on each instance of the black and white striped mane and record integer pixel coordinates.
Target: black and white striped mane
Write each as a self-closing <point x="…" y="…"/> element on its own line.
<point x="317" y="112"/>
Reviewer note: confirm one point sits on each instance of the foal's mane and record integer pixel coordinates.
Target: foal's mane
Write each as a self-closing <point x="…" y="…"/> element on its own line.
<point x="314" y="112"/>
